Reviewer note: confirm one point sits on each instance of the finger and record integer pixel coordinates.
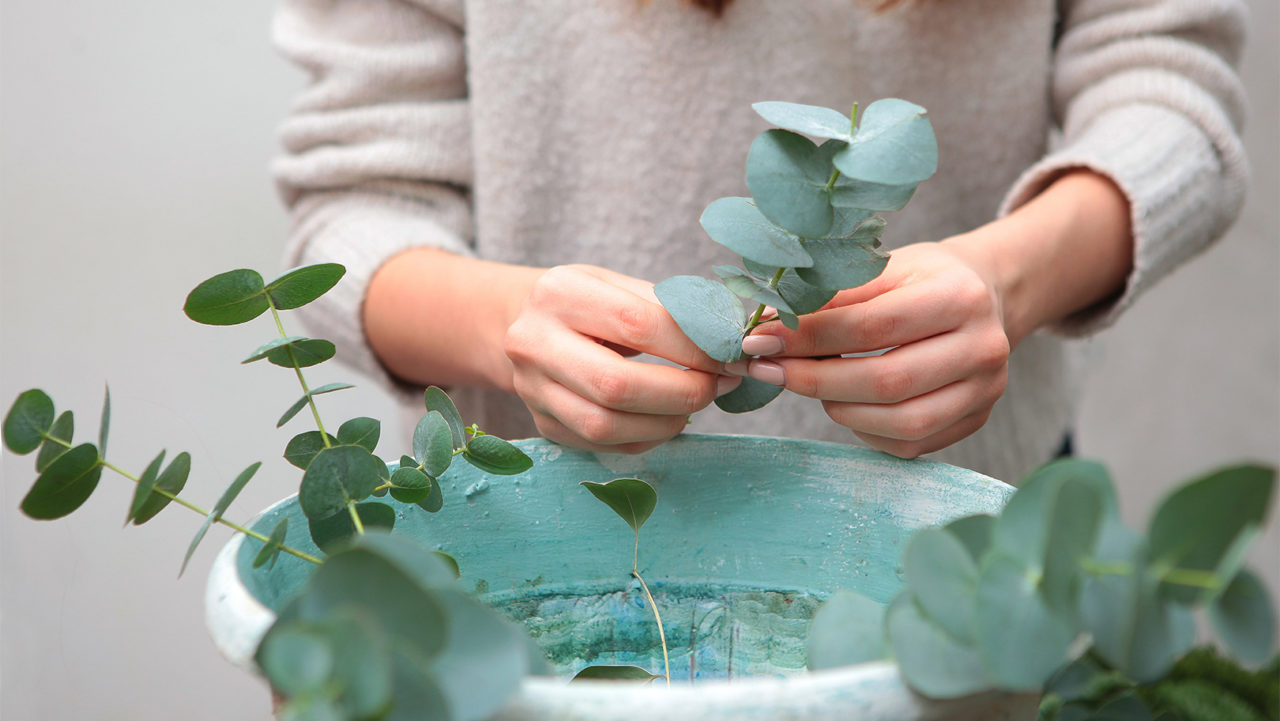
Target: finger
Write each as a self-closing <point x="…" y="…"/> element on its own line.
<point x="954" y="433"/>
<point x="600" y="375"/>
<point x="622" y="311"/>
<point x="900" y="316"/>
<point x="583" y="424"/>
<point x="905" y="372"/>
<point x="922" y="417"/>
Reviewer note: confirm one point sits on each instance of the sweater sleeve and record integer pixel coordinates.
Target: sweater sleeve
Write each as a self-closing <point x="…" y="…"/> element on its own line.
<point x="1145" y="93"/>
<point x="377" y="146"/>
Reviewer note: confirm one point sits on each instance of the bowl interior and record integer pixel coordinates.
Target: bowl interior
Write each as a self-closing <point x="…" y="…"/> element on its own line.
<point x="749" y="535"/>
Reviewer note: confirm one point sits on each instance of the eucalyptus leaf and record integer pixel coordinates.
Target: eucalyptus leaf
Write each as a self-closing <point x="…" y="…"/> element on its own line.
<point x="146" y="482"/>
<point x="847" y="629"/>
<point x="434" y="500"/>
<point x="297" y="287"/>
<point x="973" y="532"/>
<point x="363" y="663"/>
<point x="812" y="120"/>
<point x="839" y="263"/>
<point x="1126" y="707"/>
<point x="63" y="429"/>
<point x="237" y="296"/>
<point x="1020" y="638"/>
<point x="433" y="443"/>
<point x="336" y="477"/>
<point x="1244" y="618"/>
<point x="294" y="352"/>
<point x="802" y="297"/>
<point x="850" y="193"/>
<point x="28" y="419"/>
<point x="302" y="448"/>
<point x="410" y="485"/>
<point x="449" y="561"/>
<point x="790" y="320"/>
<point x="747" y="286"/>
<point x="631" y="498"/>
<point x="708" y="313"/>
<point x="172" y="480"/>
<point x="105" y="425"/>
<point x="224" y="502"/>
<point x="439" y="401"/>
<point x="894" y="145"/>
<point x="296" y="659"/>
<point x="485" y="659"/>
<point x="748" y="396"/>
<point x="1134" y="628"/>
<point x="615" y="673"/>
<point x="1195" y="527"/>
<point x="363" y="432"/>
<point x="855" y="224"/>
<point x="271" y="549"/>
<point x="944" y="579"/>
<point x="494" y="455"/>
<point x="787" y="177"/>
<point x="65" y="485"/>
<point x="302" y="402"/>
<point x="333" y="532"/>
<point x="933" y="663"/>
<point x="738" y="224"/>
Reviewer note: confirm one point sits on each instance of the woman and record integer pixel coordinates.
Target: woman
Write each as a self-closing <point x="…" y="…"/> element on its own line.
<point x="458" y="159"/>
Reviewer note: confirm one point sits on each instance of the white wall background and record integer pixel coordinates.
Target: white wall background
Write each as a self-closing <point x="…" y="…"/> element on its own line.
<point x="134" y="137"/>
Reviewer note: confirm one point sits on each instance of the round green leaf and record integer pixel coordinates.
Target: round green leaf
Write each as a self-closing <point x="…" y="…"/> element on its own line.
<point x="302" y="448"/>
<point x="787" y="177"/>
<point x="65" y="485"/>
<point x="812" y="120"/>
<point x="1021" y="640"/>
<point x="363" y="432"/>
<point x="334" y="532"/>
<point x="750" y="395"/>
<point x="1244" y="618"/>
<point x="800" y="296"/>
<point x="855" y="224"/>
<point x="335" y="477"/>
<point x="485" y="660"/>
<point x="439" y="401"/>
<point x="433" y="443"/>
<point x="745" y="285"/>
<point x="707" y="312"/>
<point x="848" y="629"/>
<point x="146" y="482"/>
<point x="237" y="296"/>
<point x="410" y="485"/>
<point x="850" y="193"/>
<point x="841" y="264"/>
<point x="973" y="532"/>
<point x="362" y="667"/>
<point x="494" y="455"/>
<point x="173" y="480"/>
<point x="300" y="286"/>
<point x="271" y="549"/>
<point x="738" y="224"/>
<point x="1134" y="628"/>
<point x="63" y="429"/>
<point x="614" y="673"/>
<point x="631" y="498"/>
<point x="894" y="145"/>
<point x="434" y="501"/>
<point x="294" y="352"/>
<point x="1196" y="526"/>
<point x="933" y="663"/>
<point x="944" y="579"/>
<point x="30" y="416"/>
<point x="295" y="659"/>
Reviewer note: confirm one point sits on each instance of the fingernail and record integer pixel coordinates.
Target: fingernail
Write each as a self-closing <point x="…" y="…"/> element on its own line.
<point x="736" y="368"/>
<point x="724" y="384"/>
<point x="762" y="345"/>
<point x="767" y="372"/>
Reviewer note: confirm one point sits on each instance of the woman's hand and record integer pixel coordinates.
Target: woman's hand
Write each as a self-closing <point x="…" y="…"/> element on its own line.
<point x="939" y="315"/>
<point x="946" y="315"/>
<point x="569" y="350"/>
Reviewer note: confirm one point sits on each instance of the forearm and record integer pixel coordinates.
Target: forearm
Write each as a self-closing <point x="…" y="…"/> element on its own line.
<point x="437" y="318"/>
<point x="1064" y="251"/>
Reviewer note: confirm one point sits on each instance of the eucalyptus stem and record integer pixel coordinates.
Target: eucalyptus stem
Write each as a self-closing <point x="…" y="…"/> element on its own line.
<point x="662" y="635"/>
<point x="773" y="285"/>
<point x="1179" y="576"/>
<point x="193" y="507"/>
<point x="297" y="369"/>
<point x="355" y="517"/>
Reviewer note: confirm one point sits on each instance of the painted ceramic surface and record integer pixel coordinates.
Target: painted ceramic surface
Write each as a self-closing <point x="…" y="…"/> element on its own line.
<point x="749" y="535"/>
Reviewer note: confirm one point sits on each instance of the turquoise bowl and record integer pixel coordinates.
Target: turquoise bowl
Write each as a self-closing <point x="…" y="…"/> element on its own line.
<point x="749" y="535"/>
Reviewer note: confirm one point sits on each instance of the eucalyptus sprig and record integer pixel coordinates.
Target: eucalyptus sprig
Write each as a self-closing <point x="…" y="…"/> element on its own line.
<point x="809" y="229"/>
<point x="1012" y="601"/>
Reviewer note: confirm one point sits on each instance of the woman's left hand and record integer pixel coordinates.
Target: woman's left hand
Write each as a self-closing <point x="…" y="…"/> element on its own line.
<point x="937" y="310"/>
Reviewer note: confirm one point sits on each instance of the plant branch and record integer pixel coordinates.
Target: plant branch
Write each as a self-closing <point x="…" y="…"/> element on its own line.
<point x="773" y="285"/>
<point x="662" y="635"/>
<point x="297" y="369"/>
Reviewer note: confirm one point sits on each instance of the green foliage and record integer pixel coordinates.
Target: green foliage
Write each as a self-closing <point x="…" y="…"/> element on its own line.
<point x="300" y="286"/>
<point x="1009" y="602"/>
<point x="57" y="440"/>
<point x="28" y="420"/>
<point x="171" y="482"/>
<point x="224" y="502"/>
<point x="294" y="352"/>
<point x="302" y="448"/>
<point x="434" y="443"/>
<point x="231" y="298"/>
<point x="808" y="231"/>
<point x="849" y="630"/>
<point x="334" y="532"/>
<point x="336" y="477"/>
<point x="302" y="402"/>
<point x="437" y="400"/>
<point x="271" y="549"/>
<point x="494" y="455"/>
<point x="65" y="484"/>
<point x="614" y="673"/>
<point x="631" y="498"/>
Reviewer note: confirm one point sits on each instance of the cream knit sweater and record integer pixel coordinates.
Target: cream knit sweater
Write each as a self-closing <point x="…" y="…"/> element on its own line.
<point x="596" y="131"/>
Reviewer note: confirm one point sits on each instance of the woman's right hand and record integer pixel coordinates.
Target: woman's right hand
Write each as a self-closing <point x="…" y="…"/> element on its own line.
<point x="571" y="348"/>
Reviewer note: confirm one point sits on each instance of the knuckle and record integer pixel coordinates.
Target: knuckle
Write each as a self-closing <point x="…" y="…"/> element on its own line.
<point x="914" y="425"/>
<point x="891" y="384"/>
<point x="612" y="387"/>
<point x="877" y="329"/>
<point x="636" y="325"/>
<point x="597" y="426"/>
<point x="802" y="379"/>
